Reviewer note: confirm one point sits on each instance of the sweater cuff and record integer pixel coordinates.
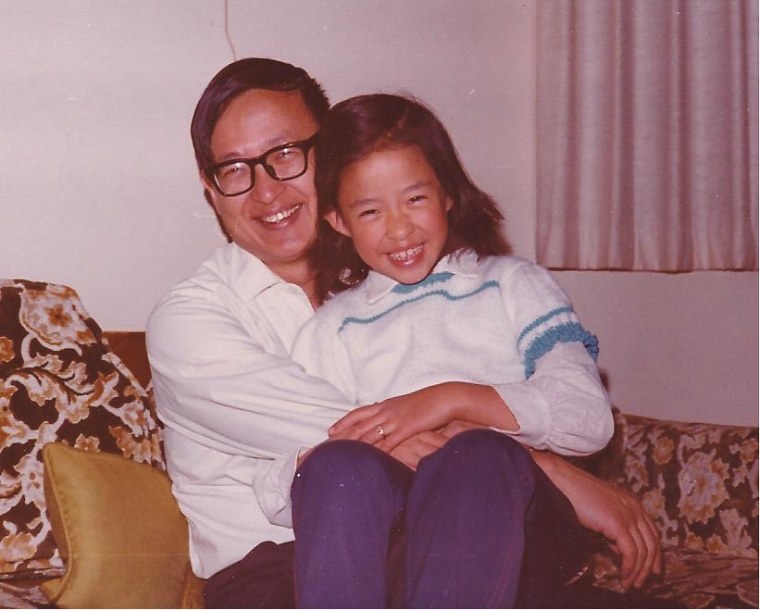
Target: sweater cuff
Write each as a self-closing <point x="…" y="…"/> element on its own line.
<point x="531" y="410"/>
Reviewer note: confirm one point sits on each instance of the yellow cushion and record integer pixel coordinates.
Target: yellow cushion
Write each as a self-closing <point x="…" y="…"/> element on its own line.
<point x="120" y="532"/>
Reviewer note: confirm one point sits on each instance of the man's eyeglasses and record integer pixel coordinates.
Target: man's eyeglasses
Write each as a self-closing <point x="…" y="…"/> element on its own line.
<point x="284" y="162"/>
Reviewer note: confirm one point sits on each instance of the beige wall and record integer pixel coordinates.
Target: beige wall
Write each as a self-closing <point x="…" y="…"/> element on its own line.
<point x="99" y="189"/>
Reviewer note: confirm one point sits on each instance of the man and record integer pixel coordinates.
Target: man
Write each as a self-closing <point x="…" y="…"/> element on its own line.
<point x="239" y="414"/>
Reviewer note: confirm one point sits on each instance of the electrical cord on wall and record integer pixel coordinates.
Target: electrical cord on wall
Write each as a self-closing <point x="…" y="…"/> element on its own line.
<point x="227" y="29"/>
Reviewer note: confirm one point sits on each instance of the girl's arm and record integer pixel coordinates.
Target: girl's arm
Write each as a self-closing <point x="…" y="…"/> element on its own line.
<point x="566" y="376"/>
<point x="428" y="409"/>
<point x="560" y="405"/>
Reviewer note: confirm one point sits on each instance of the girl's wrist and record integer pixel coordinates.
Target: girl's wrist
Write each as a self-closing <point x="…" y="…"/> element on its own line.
<point x="462" y="402"/>
<point x="475" y="403"/>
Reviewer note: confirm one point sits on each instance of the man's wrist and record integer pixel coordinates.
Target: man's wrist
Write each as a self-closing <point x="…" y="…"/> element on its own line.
<point x="546" y="461"/>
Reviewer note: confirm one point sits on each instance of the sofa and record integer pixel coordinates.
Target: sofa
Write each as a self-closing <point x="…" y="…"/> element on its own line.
<point x="88" y="519"/>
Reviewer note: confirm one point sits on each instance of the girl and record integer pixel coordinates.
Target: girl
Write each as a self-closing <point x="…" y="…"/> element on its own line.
<point x="422" y="292"/>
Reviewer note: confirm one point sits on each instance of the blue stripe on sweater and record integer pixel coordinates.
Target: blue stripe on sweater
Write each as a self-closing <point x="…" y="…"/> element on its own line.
<point x="545" y="318"/>
<point x="444" y="293"/>
<point x="565" y="333"/>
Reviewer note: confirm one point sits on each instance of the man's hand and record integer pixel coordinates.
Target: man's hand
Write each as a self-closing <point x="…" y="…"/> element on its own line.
<point x="453" y="428"/>
<point x="412" y="450"/>
<point x="614" y="512"/>
<point x="606" y="509"/>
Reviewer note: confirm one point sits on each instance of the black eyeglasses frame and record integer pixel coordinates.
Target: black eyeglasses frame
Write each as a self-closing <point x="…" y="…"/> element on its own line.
<point x="304" y="145"/>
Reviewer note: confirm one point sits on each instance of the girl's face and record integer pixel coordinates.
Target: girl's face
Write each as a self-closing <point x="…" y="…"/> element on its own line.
<point x="393" y="208"/>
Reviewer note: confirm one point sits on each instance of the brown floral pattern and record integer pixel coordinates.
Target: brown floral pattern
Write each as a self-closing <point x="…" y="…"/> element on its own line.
<point x="58" y="382"/>
<point x="699" y="482"/>
<point x="694" y="578"/>
<point x="21" y="594"/>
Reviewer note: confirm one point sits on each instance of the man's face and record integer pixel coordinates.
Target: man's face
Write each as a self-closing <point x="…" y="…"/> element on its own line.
<point x="275" y="221"/>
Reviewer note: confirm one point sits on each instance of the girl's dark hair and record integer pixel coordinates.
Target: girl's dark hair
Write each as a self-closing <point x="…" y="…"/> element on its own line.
<point x="359" y="126"/>
<point x="241" y="76"/>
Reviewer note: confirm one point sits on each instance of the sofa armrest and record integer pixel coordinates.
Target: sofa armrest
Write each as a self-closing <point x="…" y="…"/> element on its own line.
<point x="130" y="347"/>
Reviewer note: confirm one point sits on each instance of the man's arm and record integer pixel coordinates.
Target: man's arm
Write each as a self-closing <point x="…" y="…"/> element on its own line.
<point x="231" y="390"/>
<point x="224" y="382"/>
<point x="613" y="512"/>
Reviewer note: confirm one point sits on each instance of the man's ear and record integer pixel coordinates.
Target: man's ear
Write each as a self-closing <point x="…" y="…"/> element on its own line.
<point x="336" y="222"/>
<point x="208" y="190"/>
<point x="210" y="195"/>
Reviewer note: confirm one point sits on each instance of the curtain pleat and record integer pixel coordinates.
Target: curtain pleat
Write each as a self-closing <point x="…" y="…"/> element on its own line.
<point x="647" y="134"/>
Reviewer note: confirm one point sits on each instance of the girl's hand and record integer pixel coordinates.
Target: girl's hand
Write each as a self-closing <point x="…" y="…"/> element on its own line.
<point x="388" y="423"/>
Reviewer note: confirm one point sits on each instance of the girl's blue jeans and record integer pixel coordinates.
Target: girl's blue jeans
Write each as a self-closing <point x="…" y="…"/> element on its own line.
<point x="477" y="525"/>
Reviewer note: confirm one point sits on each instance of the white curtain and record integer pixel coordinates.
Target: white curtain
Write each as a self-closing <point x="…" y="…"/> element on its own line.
<point x="647" y="134"/>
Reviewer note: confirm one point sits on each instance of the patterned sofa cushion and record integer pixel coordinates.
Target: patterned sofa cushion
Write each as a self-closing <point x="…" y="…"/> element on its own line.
<point x="698" y="481"/>
<point x="59" y="381"/>
<point x="23" y="594"/>
<point x="695" y="579"/>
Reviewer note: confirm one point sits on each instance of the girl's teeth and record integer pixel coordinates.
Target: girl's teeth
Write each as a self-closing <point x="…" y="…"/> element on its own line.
<point x="406" y="254"/>
<point x="280" y="215"/>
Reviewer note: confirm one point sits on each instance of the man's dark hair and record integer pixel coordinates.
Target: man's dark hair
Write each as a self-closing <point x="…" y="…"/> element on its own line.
<point x="239" y="77"/>
<point x="359" y="126"/>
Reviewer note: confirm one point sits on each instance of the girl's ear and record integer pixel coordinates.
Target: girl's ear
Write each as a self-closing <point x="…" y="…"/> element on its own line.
<point x="337" y="223"/>
<point x="449" y="203"/>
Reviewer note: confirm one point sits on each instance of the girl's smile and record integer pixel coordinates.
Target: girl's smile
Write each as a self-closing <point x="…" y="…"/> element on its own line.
<point x="407" y="257"/>
<point x="394" y="209"/>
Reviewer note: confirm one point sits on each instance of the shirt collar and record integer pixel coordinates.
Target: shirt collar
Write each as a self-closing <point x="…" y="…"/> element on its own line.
<point x="247" y="274"/>
<point x="462" y="262"/>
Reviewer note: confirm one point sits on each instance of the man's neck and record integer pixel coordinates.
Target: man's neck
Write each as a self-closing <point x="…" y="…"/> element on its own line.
<point x="299" y="274"/>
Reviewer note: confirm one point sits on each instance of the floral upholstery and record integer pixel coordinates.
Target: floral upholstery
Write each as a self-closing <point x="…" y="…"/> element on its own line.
<point x="699" y="482"/>
<point x="695" y="579"/>
<point x="22" y="594"/>
<point x="59" y="381"/>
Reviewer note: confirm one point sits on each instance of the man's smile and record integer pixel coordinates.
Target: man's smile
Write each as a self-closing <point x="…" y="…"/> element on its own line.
<point x="280" y="216"/>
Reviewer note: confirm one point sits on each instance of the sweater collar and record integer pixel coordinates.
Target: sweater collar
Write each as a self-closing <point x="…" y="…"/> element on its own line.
<point x="462" y="262"/>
